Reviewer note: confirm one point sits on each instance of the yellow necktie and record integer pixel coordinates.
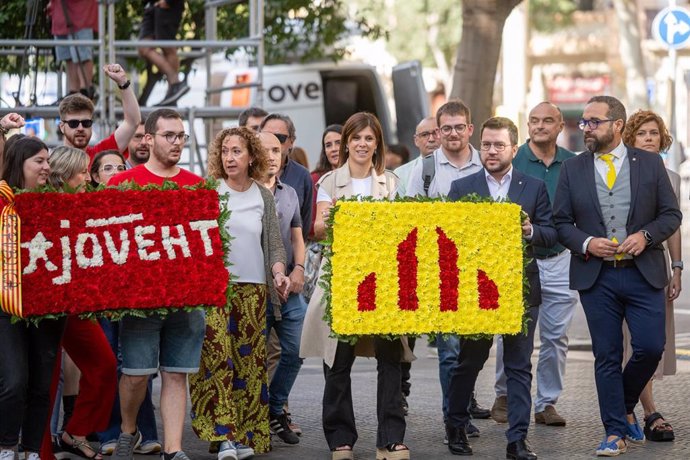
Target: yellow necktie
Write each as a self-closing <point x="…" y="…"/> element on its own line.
<point x="610" y="180"/>
<point x="611" y="173"/>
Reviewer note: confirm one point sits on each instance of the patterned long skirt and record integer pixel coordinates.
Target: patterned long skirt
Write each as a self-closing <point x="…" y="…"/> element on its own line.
<point x="230" y="392"/>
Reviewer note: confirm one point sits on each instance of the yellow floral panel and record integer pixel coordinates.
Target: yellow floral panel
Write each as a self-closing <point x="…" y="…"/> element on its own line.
<point x="412" y="268"/>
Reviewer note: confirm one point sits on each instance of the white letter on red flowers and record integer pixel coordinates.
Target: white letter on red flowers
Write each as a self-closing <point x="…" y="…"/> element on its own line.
<point x="169" y="242"/>
<point x="143" y="243"/>
<point x="203" y="226"/>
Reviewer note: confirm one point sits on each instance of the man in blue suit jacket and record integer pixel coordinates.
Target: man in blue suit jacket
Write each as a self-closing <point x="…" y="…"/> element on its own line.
<point x="499" y="180"/>
<point x="614" y="207"/>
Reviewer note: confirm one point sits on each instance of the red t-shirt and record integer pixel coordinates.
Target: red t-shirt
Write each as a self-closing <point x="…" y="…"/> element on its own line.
<point x="142" y="176"/>
<point x="109" y="143"/>
<point x="82" y="13"/>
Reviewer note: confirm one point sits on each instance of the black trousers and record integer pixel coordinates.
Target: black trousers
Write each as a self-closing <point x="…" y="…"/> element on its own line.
<point x="27" y="359"/>
<point x="405" y="367"/>
<point x="338" y="414"/>
<point x="517" y="351"/>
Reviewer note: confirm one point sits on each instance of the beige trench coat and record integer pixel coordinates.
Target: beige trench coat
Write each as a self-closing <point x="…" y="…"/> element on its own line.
<point x="316" y="340"/>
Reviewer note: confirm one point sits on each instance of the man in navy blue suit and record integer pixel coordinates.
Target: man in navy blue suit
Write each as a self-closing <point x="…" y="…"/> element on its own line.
<point x="614" y="207"/>
<point x="499" y="180"/>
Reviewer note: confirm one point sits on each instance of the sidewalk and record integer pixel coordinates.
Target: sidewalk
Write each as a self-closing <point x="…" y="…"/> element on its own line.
<point x="425" y="428"/>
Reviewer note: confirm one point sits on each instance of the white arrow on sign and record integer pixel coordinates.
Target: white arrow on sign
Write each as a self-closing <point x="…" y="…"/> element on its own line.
<point x="674" y="27"/>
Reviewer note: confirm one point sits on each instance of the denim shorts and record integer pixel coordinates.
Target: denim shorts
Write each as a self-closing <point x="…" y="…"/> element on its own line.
<point x="171" y="342"/>
<point x="69" y="53"/>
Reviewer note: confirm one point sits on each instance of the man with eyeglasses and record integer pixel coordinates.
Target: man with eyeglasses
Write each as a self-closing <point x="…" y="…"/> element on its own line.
<point x="138" y="150"/>
<point x="614" y="207"/>
<point x="293" y="173"/>
<point x="542" y="158"/>
<point x="76" y="117"/>
<point x="454" y="159"/>
<point x="171" y="343"/>
<point x="499" y="180"/>
<point x="426" y="140"/>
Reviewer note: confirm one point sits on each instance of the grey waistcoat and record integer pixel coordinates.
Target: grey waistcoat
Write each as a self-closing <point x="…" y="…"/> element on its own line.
<point x="615" y="203"/>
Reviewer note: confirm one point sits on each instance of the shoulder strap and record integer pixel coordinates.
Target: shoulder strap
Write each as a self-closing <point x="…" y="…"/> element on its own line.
<point x="428" y="171"/>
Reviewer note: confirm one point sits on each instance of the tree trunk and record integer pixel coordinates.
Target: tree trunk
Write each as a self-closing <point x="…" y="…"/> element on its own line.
<point x="477" y="56"/>
<point x="631" y="54"/>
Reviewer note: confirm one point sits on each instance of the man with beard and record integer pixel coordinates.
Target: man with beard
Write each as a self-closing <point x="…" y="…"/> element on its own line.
<point x="614" y="207"/>
<point x="499" y="180"/>
<point x="285" y="319"/>
<point x="171" y="342"/>
<point x="138" y="149"/>
<point x="76" y="117"/>
<point x="540" y="157"/>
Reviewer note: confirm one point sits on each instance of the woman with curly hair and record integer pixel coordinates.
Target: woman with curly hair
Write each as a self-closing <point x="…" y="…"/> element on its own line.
<point x="647" y="131"/>
<point x="230" y="393"/>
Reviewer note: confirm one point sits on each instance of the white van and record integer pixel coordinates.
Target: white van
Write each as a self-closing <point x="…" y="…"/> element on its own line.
<point x="319" y="94"/>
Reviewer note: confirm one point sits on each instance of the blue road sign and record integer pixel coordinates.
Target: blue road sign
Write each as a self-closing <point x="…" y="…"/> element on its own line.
<point x="672" y="27"/>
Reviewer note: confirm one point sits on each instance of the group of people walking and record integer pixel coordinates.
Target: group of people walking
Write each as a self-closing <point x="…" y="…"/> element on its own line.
<point x="595" y="224"/>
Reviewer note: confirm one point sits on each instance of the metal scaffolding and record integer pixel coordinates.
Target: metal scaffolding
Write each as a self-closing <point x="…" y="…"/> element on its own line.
<point x="106" y="111"/>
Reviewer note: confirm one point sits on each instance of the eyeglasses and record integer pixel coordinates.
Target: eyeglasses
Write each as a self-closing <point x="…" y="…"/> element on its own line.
<point x="499" y="146"/>
<point x="592" y="123"/>
<point x="108" y="168"/>
<point x="172" y="137"/>
<point x="74" y="124"/>
<point x="426" y="134"/>
<point x="447" y="129"/>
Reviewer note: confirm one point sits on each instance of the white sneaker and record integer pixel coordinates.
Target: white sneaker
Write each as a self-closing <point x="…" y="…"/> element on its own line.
<point x="148" y="447"/>
<point x="108" y="448"/>
<point x="227" y="451"/>
<point x="244" y="452"/>
<point x="33" y="456"/>
<point x="6" y="454"/>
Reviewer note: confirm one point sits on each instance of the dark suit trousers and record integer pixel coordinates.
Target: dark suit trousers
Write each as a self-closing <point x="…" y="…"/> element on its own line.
<point x="517" y="353"/>
<point x="623" y="293"/>
<point x="338" y="414"/>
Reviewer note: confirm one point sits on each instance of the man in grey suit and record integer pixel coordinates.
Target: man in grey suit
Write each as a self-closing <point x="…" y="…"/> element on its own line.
<point x="499" y="180"/>
<point x="614" y="207"/>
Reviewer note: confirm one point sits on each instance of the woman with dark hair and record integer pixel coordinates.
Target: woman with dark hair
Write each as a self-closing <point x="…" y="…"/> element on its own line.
<point x="83" y="340"/>
<point x="29" y="350"/>
<point x="646" y="130"/>
<point x="230" y="392"/>
<point x="105" y="165"/>
<point x="361" y="173"/>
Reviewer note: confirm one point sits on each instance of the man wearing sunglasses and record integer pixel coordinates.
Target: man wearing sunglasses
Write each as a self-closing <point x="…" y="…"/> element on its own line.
<point x="292" y="173"/>
<point x="76" y="117"/>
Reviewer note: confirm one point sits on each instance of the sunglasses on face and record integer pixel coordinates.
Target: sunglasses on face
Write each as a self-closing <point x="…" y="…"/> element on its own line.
<point x="74" y="124"/>
<point x="281" y="137"/>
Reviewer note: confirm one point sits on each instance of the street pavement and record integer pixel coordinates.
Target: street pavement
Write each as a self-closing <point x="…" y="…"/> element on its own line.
<point x="425" y="428"/>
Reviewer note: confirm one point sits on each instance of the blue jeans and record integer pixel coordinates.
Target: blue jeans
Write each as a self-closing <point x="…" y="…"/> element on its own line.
<point x="289" y="331"/>
<point x="448" y="351"/>
<point x="146" y="419"/>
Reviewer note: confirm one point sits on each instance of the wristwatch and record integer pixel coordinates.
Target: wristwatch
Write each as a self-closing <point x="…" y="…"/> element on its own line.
<point x="647" y="237"/>
<point x="125" y="85"/>
<point x="677" y="264"/>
